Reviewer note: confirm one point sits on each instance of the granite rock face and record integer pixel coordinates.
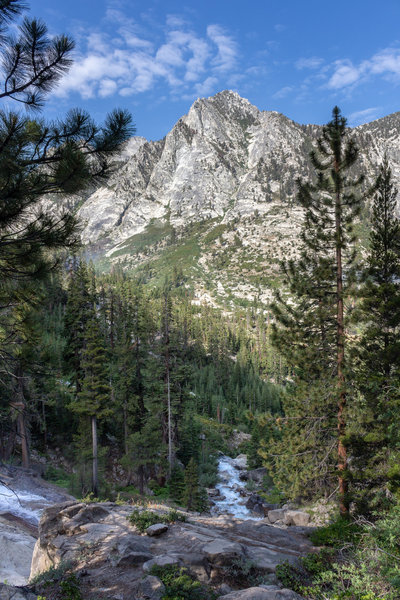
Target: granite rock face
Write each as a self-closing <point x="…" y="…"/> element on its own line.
<point x="231" y="168"/>
<point x="108" y="551"/>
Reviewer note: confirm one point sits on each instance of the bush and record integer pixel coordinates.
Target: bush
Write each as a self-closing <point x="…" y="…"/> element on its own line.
<point x="145" y="518"/>
<point x="58" y="583"/>
<point x="180" y="584"/>
<point x="362" y="563"/>
<point x="57" y="476"/>
<point x="336" y="534"/>
<point x="243" y="572"/>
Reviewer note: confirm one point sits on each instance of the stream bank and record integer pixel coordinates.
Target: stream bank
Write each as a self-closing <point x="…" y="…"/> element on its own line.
<point x="23" y="497"/>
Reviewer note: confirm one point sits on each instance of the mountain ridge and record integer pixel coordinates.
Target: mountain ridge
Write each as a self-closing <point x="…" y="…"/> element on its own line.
<point x="226" y="174"/>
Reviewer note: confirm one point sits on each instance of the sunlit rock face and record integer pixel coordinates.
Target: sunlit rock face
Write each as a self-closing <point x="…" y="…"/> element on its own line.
<point x="223" y="181"/>
<point x="224" y="159"/>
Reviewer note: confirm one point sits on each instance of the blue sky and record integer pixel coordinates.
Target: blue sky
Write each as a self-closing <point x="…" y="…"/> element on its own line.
<point x="297" y="57"/>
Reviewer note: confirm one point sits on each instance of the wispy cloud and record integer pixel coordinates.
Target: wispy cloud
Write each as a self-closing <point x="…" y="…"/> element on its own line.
<point x="227" y="48"/>
<point x="313" y="62"/>
<point x="128" y="62"/>
<point x="385" y="63"/>
<point x="283" y="92"/>
<point x="363" y="116"/>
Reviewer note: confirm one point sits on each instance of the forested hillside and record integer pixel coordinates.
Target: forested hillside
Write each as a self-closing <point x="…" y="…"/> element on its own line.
<point x="145" y="364"/>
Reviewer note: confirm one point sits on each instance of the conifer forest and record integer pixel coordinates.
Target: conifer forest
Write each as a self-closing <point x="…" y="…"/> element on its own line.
<point x="126" y="386"/>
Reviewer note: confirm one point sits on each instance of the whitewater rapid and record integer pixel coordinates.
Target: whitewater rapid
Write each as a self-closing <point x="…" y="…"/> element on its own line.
<point x="233" y="503"/>
<point x="23" y="504"/>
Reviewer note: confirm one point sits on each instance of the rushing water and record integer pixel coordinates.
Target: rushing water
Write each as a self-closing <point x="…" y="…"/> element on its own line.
<point x="22" y="504"/>
<point x="229" y="488"/>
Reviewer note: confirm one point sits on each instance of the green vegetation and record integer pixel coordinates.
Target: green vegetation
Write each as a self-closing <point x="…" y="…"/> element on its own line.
<point x="180" y="584"/>
<point x="142" y="519"/>
<point x="360" y="562"/>
<point x="58" y="583"/>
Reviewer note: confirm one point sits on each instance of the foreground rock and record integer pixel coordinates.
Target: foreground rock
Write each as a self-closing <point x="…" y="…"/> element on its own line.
<point x="22" y="495"/>
<point x="116" y="559"/>
<point x="17" y="542"/>
<point x="8" y="592"/>
<point x="263" y="593"/>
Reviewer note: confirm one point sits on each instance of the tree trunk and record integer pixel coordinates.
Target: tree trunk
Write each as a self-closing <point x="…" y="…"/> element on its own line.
<point x="19" y="406"/>
<point x="341" y="423"/>
<point x="169" y="424"/>
<point x="95" y="477"/>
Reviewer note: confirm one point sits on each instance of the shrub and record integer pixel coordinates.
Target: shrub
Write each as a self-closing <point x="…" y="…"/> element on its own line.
<point x="336" y="534"/>
<point x="180" y="584"/>
<point x="243" y="572"/>
<point x="145" y="518"/>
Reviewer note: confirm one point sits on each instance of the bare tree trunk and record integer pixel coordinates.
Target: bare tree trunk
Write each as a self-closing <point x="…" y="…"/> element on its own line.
<point x="20" y="407"/>
<point x="341" y="423"/>
<point x="170" y="459"/>
<point x="95" y="477"/>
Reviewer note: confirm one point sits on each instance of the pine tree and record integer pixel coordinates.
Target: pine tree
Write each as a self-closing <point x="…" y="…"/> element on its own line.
<point x="39" y="158"/>
<point x="190" y="497"/>
<point x="78" y="312"/>
<point x="375" y="438"/>
<point x="177" y="484"/>
<point x="94" y="398"/>
<point x="311" y="334"/>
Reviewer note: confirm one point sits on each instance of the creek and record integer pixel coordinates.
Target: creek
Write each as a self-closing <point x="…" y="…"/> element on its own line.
<point x="230" y="500"/>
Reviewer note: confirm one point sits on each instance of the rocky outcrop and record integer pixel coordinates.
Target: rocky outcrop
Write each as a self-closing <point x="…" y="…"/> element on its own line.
<point x="9" y="592"/>
<point x="22" y="494"/>
<point x="262" y="593"/>
<point x="232" y="168"/>
<point x="17" y="541"/>
<point x="112" y="552"/>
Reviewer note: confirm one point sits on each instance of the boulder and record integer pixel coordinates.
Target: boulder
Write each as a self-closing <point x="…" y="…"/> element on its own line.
<point x="222" y="551"/>
<point x="132" y="559"/>
<point x="9" y="592"/>
<point x="162" y="560"/>
<point x="213" y="492"/>
<point x="276" y="515"/>
<point x="296" y="517"/>
<point x="240" y="462"/>
<point x="268" y="592"/>
<point x="150" y="588"/>
<point x="256" y="504"/>
<point x="16" y="546"/>
<point x="156" y="529"/>
<point x="257" y="475"/>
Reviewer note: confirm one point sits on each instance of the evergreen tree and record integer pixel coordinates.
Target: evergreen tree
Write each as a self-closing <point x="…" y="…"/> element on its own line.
<point x="312" y="334"/>
<point x="375" y="438"/>
<point x="177" y="484"/>
<point x="94" y="398"/>
<point x="78" y="312"/>
<point x="39" y="158"/>
<point x="190" y="497"/>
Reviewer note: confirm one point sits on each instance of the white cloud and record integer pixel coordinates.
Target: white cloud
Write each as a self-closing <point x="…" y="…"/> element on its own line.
<point x="227" y="48"/>
<point x="206" y="87"/>
<point x="127" y="61"/>
<point x="283" y="92"/>
<point x="363" y="116"/>
<point x="345" y="73"/>
<point x="309" y="63"/>
<point x="385" y="63"/>
<point x="107" y="87"/>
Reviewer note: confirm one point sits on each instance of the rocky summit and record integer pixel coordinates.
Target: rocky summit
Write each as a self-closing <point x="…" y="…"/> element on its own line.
<point x="217" y="196"/>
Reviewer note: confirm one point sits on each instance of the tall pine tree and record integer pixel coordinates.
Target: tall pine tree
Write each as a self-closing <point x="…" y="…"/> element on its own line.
<point x="93" y="400"/>
<point x="312" y="328"/>
<point x="376" y="440"/>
